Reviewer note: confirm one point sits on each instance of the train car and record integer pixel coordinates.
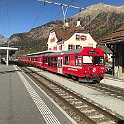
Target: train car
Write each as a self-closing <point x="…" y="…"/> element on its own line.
<point x="34" y="59"/>
<point x="86" y="65"/>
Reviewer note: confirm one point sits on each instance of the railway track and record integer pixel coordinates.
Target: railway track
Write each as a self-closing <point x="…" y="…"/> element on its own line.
<point x="106" y="89"/>
<point x="109" y="90"/>
<point x="81" y="110"/>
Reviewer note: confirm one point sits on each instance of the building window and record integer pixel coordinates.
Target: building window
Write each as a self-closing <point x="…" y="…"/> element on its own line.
<point x="77" y="37"/>
<point x="77" y="46"/>
<point x="55" y="48"/>
<point x="81" y="37"/>
<point x="67" y="60"/>
<point x="70" y="47"/>
<point x="78" y="60"/>
<point x="73" y="47"/>
<point x="60" y="47"/>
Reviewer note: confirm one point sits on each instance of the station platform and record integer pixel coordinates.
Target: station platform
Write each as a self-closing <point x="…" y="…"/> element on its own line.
<point x="22" y="102"/>
<point x="111" y="80"/>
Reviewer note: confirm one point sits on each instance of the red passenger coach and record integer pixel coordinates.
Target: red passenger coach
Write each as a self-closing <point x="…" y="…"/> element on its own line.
<point x="35" y="59"/>
<point x="86" y="65"/>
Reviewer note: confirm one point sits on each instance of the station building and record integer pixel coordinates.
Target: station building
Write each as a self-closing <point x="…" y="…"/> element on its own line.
<point x="69" y="37"/>
<point x="115" y="41"/>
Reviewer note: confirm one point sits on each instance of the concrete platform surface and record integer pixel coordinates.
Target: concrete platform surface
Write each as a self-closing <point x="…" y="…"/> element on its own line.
<point x="22" y="102"/>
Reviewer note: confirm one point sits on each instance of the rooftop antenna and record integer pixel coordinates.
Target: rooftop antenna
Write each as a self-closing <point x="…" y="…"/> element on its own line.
<point x="62" y="5"/>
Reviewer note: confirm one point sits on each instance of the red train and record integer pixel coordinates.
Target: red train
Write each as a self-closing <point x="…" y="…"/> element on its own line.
<point x="86" y="65"/>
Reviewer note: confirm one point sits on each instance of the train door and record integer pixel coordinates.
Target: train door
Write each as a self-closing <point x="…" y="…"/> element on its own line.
<point x="59" y="65"/>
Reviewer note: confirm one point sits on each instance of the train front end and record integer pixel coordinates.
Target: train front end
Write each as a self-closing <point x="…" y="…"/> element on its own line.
<point x="93" y="67"/>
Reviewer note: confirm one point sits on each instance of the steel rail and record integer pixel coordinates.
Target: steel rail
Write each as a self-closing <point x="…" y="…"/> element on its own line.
<point x="75" y="95"/>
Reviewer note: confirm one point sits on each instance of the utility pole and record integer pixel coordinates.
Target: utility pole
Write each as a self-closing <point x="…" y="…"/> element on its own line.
<point x="63" y="5"/>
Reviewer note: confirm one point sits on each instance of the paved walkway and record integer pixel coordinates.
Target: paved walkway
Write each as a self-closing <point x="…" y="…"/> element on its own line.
<point x="111" y="80"/>
<point x="22" y="102"/>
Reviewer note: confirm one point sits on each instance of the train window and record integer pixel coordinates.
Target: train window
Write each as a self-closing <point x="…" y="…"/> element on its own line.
<point x="98" y="60"/>
<point x="78" y="60"/>
<point x="67" y="60"/>
<point x="44" y="60"/>
<point x="49" y="61"/>
<point x="36" y="59"/>
<point x="54" y="61"/>
<point x="87" y="60"/>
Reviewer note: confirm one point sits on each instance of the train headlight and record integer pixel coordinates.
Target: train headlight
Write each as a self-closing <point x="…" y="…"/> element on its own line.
<point x="102" y="72"/>
<point x="102" y="68"/>
<point x="85" y="72"/>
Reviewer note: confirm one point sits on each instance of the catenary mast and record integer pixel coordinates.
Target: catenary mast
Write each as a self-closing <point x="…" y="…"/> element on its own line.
<point x="63" y="5"/>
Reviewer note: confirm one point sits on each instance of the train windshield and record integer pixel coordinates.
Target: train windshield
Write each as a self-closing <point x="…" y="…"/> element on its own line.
<point x="93" y="60"/>
<point x="98" y="60"/>
<point x="87" y="60"/>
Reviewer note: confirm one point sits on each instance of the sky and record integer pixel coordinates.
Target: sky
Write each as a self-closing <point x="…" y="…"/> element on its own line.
<point x="18" y="16"/>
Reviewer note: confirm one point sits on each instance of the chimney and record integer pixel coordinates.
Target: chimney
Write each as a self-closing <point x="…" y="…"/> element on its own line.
<point x="78" y="23"/>
<point x="66" y="24"/>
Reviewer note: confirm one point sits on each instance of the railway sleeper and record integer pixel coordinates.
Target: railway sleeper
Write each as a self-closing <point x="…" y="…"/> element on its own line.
<point x="100" y="118"/>
<point x="89" y="111"/>
<point x="96" y="116"/>
<point x="78" y="105"/>
<point x="103" y="120"/>
<point x="107" y="122"/>
<point x="62" y="94"/>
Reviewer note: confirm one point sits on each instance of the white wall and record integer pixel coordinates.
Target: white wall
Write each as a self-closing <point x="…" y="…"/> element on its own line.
<point x="52" y="37"/>
<point x="88" y="42"/>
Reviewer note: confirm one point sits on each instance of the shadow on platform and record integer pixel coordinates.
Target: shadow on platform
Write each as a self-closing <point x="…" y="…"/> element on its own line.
<point x="11" y="71"/>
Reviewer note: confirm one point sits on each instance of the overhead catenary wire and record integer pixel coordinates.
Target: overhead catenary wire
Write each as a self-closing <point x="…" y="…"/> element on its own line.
<point x="6" y="29"/>
<point x="60" y="11"/>
<point x="7" y="13"/>
<point x="63" y="5"/>
<point x="2" y="22"/>
<point x="41" y="11"/>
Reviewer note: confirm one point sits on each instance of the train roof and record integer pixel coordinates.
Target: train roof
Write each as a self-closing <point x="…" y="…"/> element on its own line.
<point x="64" y="52"/>
<point x="40" y="53"/>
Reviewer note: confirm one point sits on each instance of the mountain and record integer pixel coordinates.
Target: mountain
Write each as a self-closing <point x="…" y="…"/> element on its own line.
<point x="98" y="19"/>
<point x="3" y="40"/>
